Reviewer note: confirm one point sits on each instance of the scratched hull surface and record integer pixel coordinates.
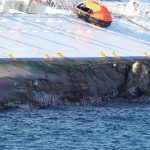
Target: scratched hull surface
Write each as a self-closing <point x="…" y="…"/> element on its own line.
<point x="67" y="82"/>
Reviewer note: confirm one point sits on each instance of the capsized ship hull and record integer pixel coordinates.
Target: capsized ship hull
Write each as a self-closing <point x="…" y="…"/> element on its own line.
<point x="35" y="37"/>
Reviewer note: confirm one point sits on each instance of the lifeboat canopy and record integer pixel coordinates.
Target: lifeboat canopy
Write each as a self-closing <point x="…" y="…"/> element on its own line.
<point x="94" y="12"/>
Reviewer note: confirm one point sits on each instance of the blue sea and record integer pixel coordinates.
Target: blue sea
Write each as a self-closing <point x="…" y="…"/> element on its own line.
<point x="106" y="127"/>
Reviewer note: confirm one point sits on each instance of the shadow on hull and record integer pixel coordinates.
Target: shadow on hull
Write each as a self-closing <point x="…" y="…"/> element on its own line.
<point x="93" y="20"/>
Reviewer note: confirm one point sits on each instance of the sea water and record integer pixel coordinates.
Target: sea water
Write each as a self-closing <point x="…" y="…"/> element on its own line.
<point x="108" y="127"/>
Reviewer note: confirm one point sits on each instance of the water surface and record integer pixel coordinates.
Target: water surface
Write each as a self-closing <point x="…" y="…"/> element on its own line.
<point x="111" y="126"/>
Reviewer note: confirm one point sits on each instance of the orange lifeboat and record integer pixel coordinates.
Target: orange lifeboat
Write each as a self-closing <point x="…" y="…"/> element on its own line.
<point x="94" y="12"/>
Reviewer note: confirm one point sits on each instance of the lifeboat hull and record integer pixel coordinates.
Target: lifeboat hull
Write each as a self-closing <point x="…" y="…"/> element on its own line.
<point x="93" y="20"/>
<point x="90" y="18"/>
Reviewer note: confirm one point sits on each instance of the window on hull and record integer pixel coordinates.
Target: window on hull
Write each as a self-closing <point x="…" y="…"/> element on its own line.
<point x="83" y="7"/>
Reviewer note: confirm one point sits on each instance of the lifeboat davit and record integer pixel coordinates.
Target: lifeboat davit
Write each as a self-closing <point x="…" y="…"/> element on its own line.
<point x="94" y="12"/>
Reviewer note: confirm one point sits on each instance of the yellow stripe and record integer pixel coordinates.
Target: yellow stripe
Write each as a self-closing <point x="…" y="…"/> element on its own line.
<point x="60" y="55"/>
<point x="102" y="54"/>
<point x="48" y="57"/>
<point x="11" y="56"/>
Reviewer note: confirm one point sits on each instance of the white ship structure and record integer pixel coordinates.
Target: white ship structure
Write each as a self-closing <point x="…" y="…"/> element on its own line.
<point x="40" y="30"/>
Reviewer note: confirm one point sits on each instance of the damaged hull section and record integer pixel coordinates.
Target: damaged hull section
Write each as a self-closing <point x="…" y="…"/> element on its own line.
<point x="84" y="83"/>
